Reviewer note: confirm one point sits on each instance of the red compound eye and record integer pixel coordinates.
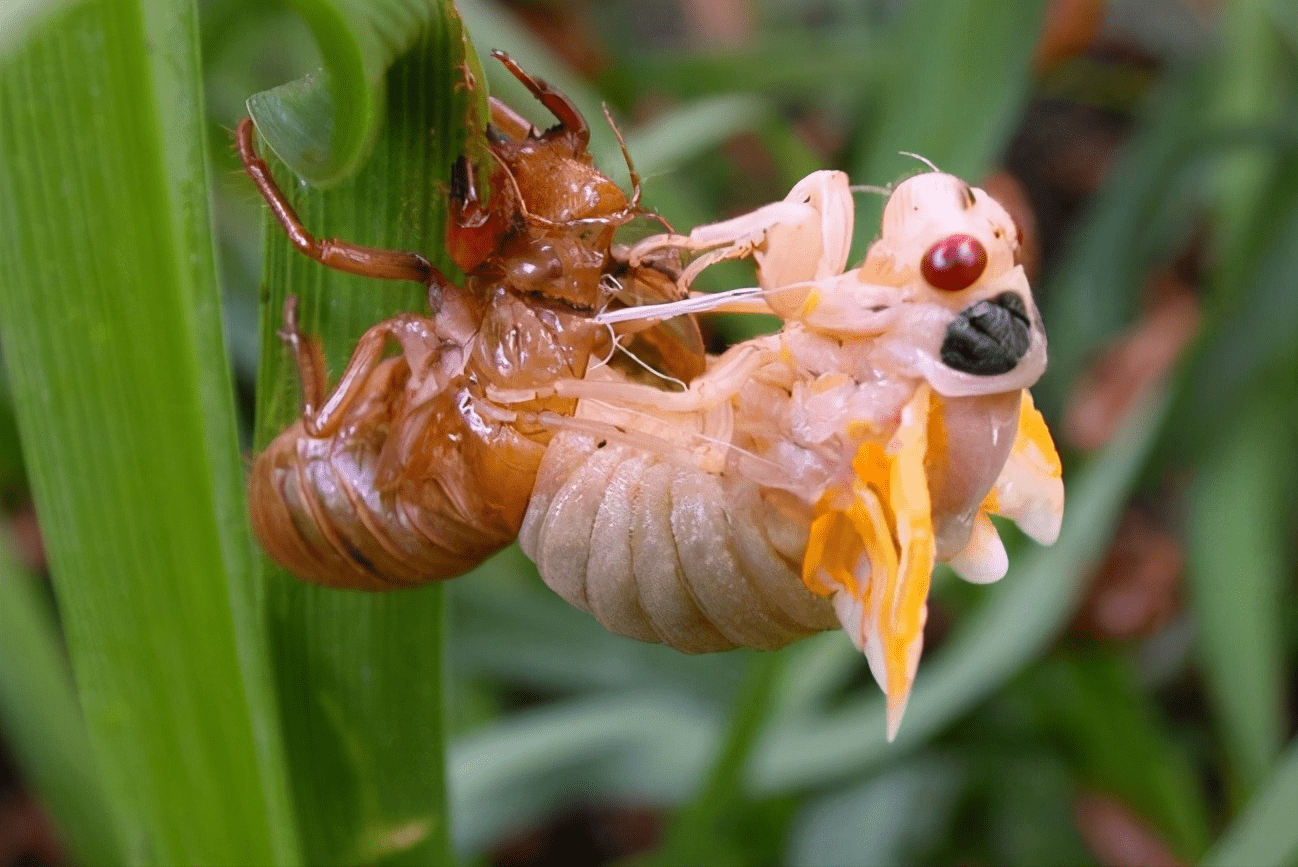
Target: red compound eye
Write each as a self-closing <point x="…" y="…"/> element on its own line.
<point x="954" y="263"/>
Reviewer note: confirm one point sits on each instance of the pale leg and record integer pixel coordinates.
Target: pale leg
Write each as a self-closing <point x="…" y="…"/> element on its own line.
<point x="717" y="385"/>
<point x="804" y="237"/>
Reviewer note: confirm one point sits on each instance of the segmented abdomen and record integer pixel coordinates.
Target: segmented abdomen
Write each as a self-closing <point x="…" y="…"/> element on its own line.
<point x="323" y="508"/>
<point x="664" y="552"/>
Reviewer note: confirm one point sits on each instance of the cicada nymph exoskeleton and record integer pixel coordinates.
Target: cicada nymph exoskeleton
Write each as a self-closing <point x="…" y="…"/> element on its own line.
<point x="813" y="477"/>
<point x="406" y="472"/>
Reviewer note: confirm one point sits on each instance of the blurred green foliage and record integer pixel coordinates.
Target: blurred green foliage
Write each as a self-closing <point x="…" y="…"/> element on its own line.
<point x="1021" y="716"/>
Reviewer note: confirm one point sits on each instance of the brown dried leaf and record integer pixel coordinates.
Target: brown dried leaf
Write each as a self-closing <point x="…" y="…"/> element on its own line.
<point x="27" y="835"/>
<point x="566" y="28"/>
<point x="1136" y="590"/>
<point x="29" y="545"/>
<point x="1070" y="29"/>
<point x="1116" y="836"/>
<point x="1125" y="372"/>
<point x="719" y="24"/>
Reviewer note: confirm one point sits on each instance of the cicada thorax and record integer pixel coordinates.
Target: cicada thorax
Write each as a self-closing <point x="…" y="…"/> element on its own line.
<point x="548" y="228"/>
<point x="811" y="409"/>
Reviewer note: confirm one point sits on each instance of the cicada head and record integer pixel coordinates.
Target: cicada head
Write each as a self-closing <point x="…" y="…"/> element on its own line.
<point x="963" y="311"/>
<point x="941" y="226"/>
<point x="553" y="212"/>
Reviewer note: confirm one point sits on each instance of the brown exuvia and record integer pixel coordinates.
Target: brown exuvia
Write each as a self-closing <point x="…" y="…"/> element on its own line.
<point x="407" y="472"/>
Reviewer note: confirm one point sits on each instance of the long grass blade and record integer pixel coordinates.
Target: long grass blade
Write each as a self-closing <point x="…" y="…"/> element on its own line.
<point x="1096" y="289"/>
<point x="692" y="837"/>
<point x="1117" y="740"/>
<point x="325" y="130"/>
<point x="360" y="675"/>
<point x="42" y="721"/>
<point x="1236" y="569"/>
<point x="1266" y="832"/>
<point x="929" y="103"/>
<point x="19" y="19"/>
<point x="110" y="321"/>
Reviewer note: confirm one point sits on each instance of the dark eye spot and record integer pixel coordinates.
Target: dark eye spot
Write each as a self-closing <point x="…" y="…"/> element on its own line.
<point x="989" y="337"/>
<point x="954" y="263"/>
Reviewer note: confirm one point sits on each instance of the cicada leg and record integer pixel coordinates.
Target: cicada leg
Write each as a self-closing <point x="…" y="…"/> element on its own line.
<point x="560" y="106"/>
<point x="309" y="355"/>
<point x="322" y="416"/>
<point x="719" y="384"/>
<point x="630" y="168"/>
<point x="803" y="237"/>
<point x="508" y="121"/>
<point x="340" y="255"/>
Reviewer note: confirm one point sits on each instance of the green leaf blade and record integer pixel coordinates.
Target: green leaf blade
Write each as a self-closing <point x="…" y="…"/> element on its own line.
<point x="359" y="40"/>
<point x="360" y="674"/>
<point x="110" y="322"/>
<point x="1265" y="832"/>
<point x="42" y="721"/>
<point x="932" y="104"/>
<point x="1119" y="742"/>
<point x="1236" y="570"/>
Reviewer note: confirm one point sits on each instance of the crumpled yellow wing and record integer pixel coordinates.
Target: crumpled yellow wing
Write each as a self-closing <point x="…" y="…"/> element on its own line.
<point x="873" y="550"/>
<point x="1030" y="489"/>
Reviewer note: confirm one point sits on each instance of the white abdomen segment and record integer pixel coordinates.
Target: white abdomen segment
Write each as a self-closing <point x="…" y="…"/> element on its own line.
<point x="669" y="553"/>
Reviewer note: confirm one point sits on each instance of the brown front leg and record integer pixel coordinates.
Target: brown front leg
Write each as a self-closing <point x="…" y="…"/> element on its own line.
<point x="340" y="255"/>
<point x="558" y="104"/>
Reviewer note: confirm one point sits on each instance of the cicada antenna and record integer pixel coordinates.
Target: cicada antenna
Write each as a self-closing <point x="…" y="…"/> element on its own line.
<point x="925" y="160"/>
<point x="635" y="175"/>
<point x="626" y="155"/>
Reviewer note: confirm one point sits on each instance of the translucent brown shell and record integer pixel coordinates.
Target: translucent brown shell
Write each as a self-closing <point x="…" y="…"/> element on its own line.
<point x="406" y="472"/>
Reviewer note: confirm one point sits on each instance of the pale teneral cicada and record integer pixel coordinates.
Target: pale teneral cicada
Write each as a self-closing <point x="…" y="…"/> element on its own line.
<point x="813" y="477"/>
